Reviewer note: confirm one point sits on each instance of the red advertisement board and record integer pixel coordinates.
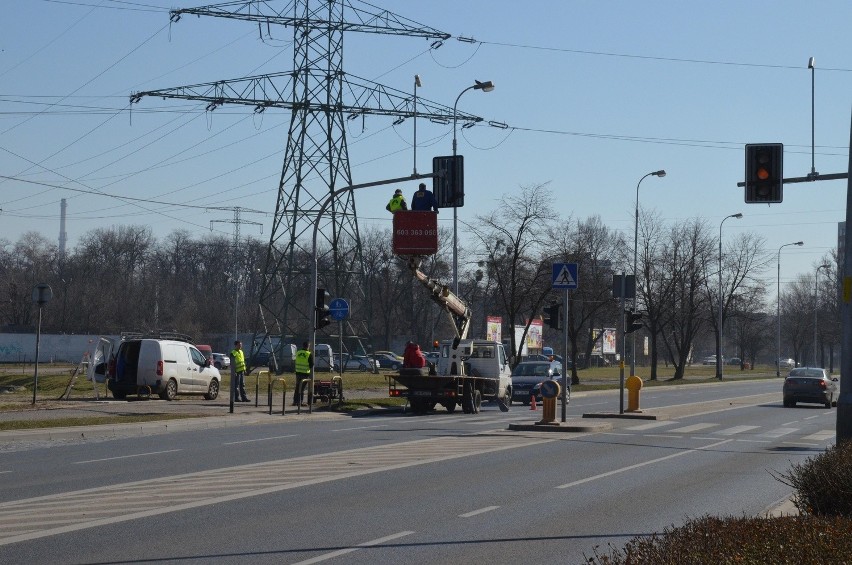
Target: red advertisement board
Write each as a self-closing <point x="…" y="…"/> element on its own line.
<point x="415" y="233"/>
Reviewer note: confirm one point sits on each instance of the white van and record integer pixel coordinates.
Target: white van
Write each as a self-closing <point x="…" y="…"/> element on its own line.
<point x="166" y="367"/>
<point x="323" y="358"/>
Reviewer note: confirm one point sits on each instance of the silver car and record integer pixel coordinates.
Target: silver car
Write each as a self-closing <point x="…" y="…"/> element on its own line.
<point x="808" y="384"/>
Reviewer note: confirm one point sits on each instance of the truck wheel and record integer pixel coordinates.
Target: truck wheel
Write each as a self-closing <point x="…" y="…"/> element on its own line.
<point x="450" y="405"/>
<point x="477" y="401"/>
<point x="170" y="392"/>
<point x="467" y="398"/>
<point x="418" y="406"/>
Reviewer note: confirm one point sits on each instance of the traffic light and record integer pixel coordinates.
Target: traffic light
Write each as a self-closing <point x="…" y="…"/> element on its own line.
<point x="321" y="319"/>
<point x="632" y="321"/>
<point x="764" y="173"/>
<point x="552" y="317"/>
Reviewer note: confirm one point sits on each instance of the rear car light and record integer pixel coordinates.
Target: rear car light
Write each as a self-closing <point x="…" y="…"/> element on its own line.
<point x="822" y="384"/>
<point x="159" y="368"/>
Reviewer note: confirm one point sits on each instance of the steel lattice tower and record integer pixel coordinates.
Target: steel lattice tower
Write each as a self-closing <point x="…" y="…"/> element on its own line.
<point x="321" y="97"/>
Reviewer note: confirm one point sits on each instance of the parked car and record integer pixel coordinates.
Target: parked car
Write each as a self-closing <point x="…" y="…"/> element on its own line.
<point x="734" y="361"/>
<point x="807" y="384"/>
<point x="388" y="361"/>
<point x="433" y="356"/>
<point x="528" y="376"/>
<point x="163" y="366"/>
<point x="709" y="360"/>
<point x="390" y="353"/>
<point x="221" y="361"/>
<point x="354" y="362"/>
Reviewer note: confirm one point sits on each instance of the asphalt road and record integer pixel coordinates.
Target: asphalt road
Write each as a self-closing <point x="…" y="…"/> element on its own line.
<point x="392" y="487"/>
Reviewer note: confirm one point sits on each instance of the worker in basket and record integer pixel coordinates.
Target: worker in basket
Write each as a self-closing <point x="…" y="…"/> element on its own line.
<point x="414" y="359"/>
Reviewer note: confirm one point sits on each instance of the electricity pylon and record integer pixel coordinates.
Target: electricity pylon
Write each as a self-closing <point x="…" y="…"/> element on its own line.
<point x="322" y="97"/>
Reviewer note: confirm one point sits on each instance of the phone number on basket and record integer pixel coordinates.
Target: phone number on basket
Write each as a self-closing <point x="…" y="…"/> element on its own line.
<point x="416" y="232"/>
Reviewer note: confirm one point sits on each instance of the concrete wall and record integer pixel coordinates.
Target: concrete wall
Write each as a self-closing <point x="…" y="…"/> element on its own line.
<point x="63" y="348"/>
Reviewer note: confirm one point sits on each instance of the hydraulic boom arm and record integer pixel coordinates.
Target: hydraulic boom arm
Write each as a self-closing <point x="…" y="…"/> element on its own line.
<point x="444" y="297"/>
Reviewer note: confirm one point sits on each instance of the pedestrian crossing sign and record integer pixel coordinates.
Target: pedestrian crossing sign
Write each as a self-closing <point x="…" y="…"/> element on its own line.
<point x="564" y="276"/>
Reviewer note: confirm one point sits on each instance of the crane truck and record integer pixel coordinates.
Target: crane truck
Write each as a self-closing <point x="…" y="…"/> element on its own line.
<point x="468" y="371"/>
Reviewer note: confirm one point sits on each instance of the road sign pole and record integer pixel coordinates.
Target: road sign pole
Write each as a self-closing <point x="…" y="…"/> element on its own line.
<point x="565" y="359"/>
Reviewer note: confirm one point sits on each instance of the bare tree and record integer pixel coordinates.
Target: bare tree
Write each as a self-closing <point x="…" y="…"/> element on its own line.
<point x="513" y="243"/>
<point x="689" y="250"/>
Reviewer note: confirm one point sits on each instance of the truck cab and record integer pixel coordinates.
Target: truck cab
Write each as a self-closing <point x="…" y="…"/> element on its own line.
<point x="477" y="358"/>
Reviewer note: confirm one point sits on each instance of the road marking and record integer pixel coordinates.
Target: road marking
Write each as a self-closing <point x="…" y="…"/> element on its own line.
<point x="361" y="428"/>
<point x="125" y="456"/>
<point x="480" y="511"/>
<point x="257" y="439"/>
<point x="339" y="552"/>
<point x="650" y="426"/>
<point x="692" y="428"/>
<point x="813" y="417"/>
<point x="735" y="430"/>
<point x="643" y="464"/>
<point x="778" y="432"/>
<point x="820" y="436"/>
<point x="45" y="516"/>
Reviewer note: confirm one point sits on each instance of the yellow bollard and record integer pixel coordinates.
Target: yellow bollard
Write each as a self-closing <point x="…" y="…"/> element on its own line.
<point x="634" y="385"/>
<point x="549" y="393"/>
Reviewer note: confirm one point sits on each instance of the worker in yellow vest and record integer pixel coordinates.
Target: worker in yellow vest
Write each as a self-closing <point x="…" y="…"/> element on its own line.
<point x="238" y="373"/>
<point x="304" y="363"/>
<point x="396" y="203"/>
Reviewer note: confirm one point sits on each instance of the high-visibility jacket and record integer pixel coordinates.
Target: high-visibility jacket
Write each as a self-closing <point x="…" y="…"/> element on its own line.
<point x="303" y="361"/>
<point x="397" y="203"/>
<point x="238" y="360"/>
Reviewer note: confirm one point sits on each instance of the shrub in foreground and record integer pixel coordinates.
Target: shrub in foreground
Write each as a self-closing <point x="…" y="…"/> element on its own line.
<point x="804" y="540"/>
<point x="823" y="483"/>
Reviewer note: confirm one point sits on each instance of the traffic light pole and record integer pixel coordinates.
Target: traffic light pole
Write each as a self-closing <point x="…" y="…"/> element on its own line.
<point x="844" y="403"/>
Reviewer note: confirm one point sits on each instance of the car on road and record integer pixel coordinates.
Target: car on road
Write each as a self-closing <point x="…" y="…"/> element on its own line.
<point x="528" y="376"/>
<point x="221" y="361"/>
<point x="733" y="361"/>
<point x="809" y="384"/>
<point x="388" y="361"/>
<point x="786" y="363"/>
<point x="432" y="356"/>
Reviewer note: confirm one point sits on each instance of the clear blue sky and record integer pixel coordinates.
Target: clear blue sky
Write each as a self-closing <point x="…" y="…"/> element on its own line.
<point x="596" y="94"/>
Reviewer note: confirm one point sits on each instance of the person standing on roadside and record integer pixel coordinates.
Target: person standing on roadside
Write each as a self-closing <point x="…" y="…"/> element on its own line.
<point x="304" y="363"/>
<point x="238" y="372"/>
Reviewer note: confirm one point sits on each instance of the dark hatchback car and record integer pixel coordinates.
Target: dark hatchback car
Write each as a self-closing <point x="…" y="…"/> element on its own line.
<point x="807" y="384"/>
<point x="528" y="376"/>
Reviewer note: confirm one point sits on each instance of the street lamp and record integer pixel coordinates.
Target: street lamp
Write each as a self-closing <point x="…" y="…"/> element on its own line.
<point x="486" y="86"/>
<point x="416" y="84"/>
<point x="812" y="66"/>
<point x="778" y="300"/>
<point x="816" y="307"/>
<point x="719" y="346"/>
<point x="661" y="173"/>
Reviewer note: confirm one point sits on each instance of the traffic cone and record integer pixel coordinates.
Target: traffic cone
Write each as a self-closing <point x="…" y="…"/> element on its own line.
<point x="532" y="402"/>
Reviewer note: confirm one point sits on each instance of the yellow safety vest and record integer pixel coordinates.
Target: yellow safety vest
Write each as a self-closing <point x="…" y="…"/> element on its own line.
<point x="302" y="364"/>
<point x="396" y="203"/>
<point x="239" y="360"/>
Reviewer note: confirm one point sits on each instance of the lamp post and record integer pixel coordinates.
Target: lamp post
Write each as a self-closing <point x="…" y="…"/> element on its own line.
<point x="812" y="66"/>
<point x="816" y="307"/>
<point x="486" y="86"/>
<point x="416" y="84"/>
<point x="719" y="346"/>
<point x="778" y="300"/>
<point x="661" y="173"/>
